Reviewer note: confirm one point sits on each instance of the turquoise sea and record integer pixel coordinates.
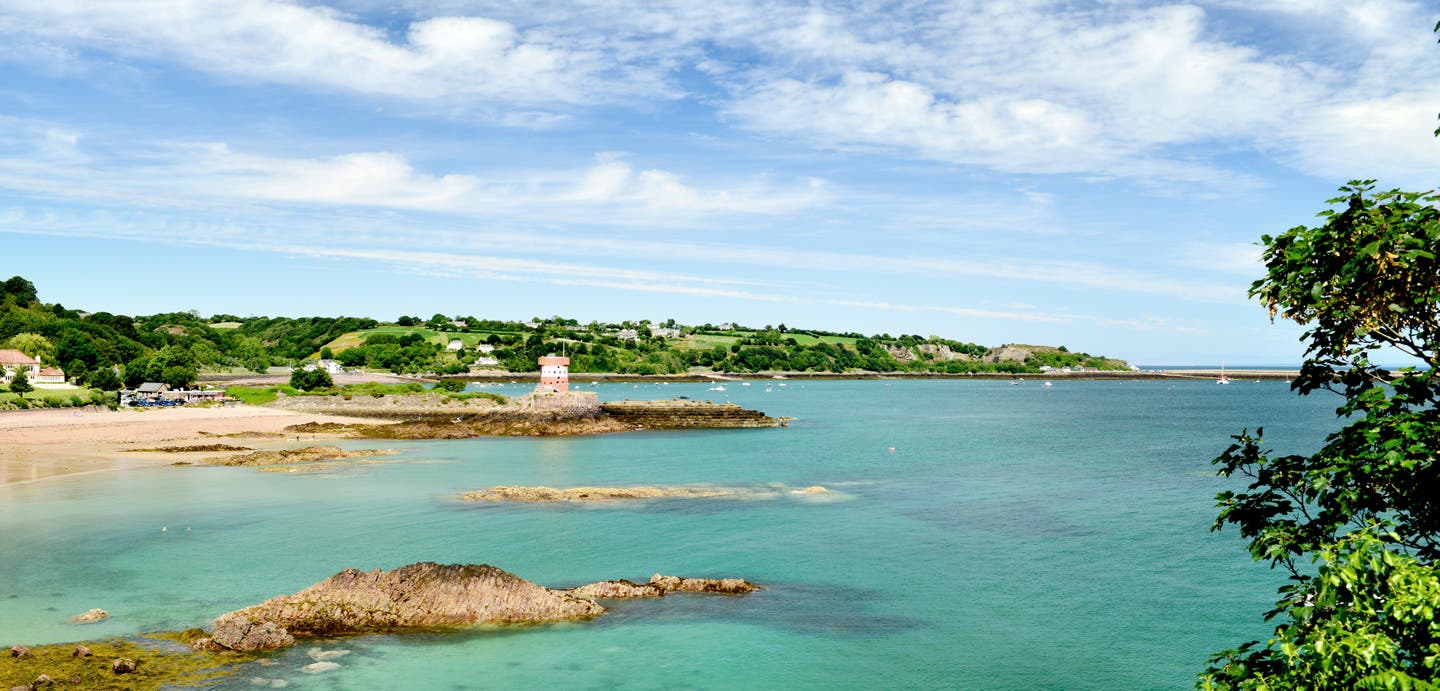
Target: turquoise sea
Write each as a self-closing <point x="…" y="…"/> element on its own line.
<point x="1015" y="537"/>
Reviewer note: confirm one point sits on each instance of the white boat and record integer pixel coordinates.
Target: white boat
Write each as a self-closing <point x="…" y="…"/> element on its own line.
<point x="720" y="387"/>
<point x="1048" y="385"/>
<point x="1222" y="379"/>
<point x="744" y="383"/>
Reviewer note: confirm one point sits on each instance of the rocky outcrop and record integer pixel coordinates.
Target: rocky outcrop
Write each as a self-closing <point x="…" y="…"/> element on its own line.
<point x="122" y="665"/>
<point x="241" y="633"/>
<point x="90" y="616"/>
<point x="683" y="414"/>
<point x="729" y="586"/>
<point x="309" y="454"/>
<point x="593" y="494"/>
<point x="418" y="595"/>
<point x="427" y="595"/>
<point x="20" y="651"/>
<point x="618" y="589"/>
<point x="662" y="585"/>
<point x="542" y="494"/>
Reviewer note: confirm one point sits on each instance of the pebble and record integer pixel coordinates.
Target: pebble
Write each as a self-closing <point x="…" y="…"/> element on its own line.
<point x="317" y="667"/>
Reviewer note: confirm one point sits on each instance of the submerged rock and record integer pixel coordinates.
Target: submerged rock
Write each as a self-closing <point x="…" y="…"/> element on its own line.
<point x="419" y="595"/>
<point x="309" y="454"/>
<point x="317" y="667"/>
<point x="90" y="616"/>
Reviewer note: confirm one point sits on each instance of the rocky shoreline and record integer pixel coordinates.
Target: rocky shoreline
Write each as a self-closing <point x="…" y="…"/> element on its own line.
<point x="430" y="416"/>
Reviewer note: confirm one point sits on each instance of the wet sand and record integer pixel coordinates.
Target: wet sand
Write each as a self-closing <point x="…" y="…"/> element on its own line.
<point x="42" y="444"/>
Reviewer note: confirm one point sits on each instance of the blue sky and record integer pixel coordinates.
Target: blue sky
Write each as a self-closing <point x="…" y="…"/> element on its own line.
<point x="1093" y="174"/>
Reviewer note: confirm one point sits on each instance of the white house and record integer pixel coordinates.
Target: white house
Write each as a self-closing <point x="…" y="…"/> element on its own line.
<point x="486" y="361"/>
<point x="454" y="345"/>
<point x="485" y="348"/>
<point x="50" y="375"/>
<point x="628" y="335"/>
<point x="12" y="361"/>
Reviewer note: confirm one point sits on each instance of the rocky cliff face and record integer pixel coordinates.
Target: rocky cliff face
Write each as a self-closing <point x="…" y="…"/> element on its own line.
<point x="1007" y="353"/>
<point x="930" y="352"/>
<point x="418" y="595"/>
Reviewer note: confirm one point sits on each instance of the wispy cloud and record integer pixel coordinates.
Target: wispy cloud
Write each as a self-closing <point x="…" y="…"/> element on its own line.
<point x="45" y="158"/>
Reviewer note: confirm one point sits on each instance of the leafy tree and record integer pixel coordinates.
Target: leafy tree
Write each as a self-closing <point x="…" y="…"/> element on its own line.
<point x="1365" y="508"/>
<point x="105" y="379"/>
<point x="309" y="380"/>
<point x="20" y="384"/>
<point x="451" y="385"/>
<point x="32" y="344"/>
<point x="178" y="376"/>
<point x="327" y="354"/>
<point x="21" y="289"/>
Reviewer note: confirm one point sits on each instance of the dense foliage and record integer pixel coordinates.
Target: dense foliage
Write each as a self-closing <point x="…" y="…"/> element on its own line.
<point x="105" y="351"/>
<point x="1356" y="524"/>
<point x="310" y="380"/>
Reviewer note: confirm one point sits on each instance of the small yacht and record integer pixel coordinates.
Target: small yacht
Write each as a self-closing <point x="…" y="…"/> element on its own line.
<point x="1222" y="379"/>
<point x="717" y="387"/>
<point x="1048" y="385"/>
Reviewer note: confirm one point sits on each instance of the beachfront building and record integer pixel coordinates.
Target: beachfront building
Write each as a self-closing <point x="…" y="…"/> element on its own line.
<point x="12" y="361"/>
<point x="554" y="374"/>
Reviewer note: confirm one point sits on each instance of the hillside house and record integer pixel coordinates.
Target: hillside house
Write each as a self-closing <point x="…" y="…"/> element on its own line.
<point x="628" y="335"/>
<point x="12" y="361"/>
<point x="455" y="345"/>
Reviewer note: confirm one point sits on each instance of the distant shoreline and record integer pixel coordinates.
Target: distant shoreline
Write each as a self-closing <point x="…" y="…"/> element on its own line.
<point x="584" y="377"/>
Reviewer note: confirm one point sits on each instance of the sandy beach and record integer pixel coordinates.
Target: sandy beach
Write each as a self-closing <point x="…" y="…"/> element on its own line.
<point x="42" y="444"/>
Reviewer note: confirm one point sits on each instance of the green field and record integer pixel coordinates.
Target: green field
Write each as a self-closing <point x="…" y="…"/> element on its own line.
<point x="40" y="394"/>
<point x="355" y="338"/>
<point x="704" y="341"/>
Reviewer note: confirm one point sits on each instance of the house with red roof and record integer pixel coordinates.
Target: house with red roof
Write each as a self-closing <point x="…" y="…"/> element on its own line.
<point x="12" y="361"/>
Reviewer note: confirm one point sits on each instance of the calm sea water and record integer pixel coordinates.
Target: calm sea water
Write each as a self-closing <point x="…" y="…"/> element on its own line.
<point x="1015" y="537"/>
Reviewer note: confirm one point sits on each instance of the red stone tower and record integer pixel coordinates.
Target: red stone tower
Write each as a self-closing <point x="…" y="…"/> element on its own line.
<point x="555" y="373"/>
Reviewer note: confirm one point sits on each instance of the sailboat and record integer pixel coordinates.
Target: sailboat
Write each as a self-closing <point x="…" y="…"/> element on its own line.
<point x="1222" y="379"/>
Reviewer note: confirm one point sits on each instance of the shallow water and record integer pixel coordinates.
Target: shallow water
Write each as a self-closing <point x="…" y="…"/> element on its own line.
<point x="1015" y="536"/>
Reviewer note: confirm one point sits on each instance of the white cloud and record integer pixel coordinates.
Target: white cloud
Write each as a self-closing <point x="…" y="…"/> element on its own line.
<point x="1144" y="91"/>
<point x="48" y="159"/>
<point x="274" y="41"/>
